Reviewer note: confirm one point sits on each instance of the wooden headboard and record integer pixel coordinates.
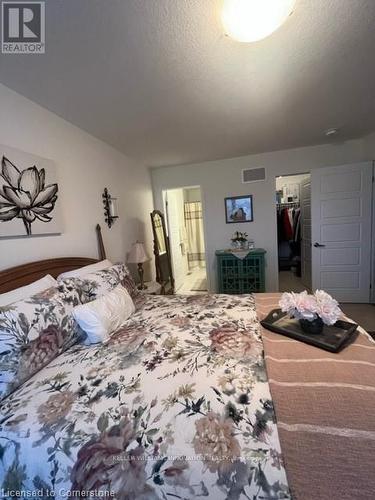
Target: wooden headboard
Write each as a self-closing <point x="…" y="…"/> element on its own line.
<point x="25" y="274"/>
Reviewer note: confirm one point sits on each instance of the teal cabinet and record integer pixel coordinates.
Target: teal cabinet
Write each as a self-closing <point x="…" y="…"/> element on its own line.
<point x="236" y="276"/>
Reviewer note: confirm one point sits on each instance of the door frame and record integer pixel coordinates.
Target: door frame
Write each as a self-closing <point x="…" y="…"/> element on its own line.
<point x="372" y="290"/>
<point x="171" y="240"/>
<point x="306" y="283"/>
<point x="294" y="174"/>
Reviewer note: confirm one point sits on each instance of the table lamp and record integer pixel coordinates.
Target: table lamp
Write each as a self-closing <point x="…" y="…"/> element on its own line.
<point x="137" y="255"/>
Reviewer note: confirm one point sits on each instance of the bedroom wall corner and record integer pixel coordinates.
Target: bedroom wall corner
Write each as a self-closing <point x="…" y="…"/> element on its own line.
<point x="222" y="178"/>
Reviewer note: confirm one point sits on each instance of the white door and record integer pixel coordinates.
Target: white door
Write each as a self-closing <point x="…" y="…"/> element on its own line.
<point x="305" y="202"/>
<point x="174" y="202"/>
<point x="341" y="231"/>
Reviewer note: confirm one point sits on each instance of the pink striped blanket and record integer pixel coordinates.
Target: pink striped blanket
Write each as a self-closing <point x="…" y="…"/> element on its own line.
<point x="325" y="409"/>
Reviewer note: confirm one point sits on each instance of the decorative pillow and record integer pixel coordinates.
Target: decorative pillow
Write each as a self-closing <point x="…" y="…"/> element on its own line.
<point x="102" y="317"/>
<point x="94" y="285"/>
<point x="27" y="291"/>
<point x="32" y="333"/>
<point x="82" y="271"/>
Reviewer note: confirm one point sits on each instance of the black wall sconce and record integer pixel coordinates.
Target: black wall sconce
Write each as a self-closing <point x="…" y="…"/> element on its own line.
<point x="110" y="208"/>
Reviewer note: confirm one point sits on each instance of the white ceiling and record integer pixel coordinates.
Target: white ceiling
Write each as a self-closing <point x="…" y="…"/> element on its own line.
<point x="158" y="80"/>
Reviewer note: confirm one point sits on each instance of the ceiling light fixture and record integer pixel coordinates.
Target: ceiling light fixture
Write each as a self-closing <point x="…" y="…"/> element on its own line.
<point x="253" y="20"/>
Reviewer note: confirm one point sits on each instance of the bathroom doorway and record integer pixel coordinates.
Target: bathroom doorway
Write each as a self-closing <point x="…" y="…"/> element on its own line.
<point x="184" y="217"/>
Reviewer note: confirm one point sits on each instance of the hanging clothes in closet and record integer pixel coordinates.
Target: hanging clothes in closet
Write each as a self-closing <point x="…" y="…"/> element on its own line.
<point x="289" y="235"/>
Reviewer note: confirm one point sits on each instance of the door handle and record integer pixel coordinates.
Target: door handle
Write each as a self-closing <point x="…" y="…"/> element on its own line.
<point x="318" y="245"/>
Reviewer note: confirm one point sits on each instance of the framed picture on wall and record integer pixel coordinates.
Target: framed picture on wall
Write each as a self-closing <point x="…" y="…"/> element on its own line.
<point x="29" y="195"/>
<point x="239" y="209"/>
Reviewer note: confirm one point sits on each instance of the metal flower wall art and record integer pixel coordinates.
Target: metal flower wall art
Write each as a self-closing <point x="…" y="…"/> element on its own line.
<point x="27" y="199"/>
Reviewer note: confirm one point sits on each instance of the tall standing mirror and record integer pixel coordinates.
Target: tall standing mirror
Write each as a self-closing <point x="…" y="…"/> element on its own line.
<point x="163" y="264"/>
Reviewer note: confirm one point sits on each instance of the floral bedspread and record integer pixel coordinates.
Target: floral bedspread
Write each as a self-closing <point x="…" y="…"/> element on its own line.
<point x="175" y="405"/>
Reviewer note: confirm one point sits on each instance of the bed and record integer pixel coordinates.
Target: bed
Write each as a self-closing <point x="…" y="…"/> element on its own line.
<point x="178" y="405"/>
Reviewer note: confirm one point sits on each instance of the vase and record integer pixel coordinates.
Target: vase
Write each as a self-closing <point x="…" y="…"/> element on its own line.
<point x="237" y="244"/>
<point x="315" y="326"/>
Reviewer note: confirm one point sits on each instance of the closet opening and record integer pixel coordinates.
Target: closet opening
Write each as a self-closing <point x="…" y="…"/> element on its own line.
<point x="184" y="220"/>
<point x="293" y="210"/>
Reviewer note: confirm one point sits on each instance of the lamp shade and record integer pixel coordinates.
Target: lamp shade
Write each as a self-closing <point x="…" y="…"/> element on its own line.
<point x="137" y="254"/>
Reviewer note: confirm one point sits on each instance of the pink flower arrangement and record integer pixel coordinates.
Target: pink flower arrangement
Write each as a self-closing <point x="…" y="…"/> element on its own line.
<point x="310" y="307"/>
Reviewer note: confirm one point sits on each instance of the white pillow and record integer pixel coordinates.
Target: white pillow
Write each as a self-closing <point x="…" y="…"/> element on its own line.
<point x="24" y="292"/>
<point x="103" y="316"/>
<point x="82" y="271"/>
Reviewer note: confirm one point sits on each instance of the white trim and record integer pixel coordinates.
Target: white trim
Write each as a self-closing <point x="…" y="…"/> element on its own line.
<point x="372" y="291"/>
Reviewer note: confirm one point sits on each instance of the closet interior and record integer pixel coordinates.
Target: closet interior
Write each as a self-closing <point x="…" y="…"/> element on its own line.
<point x="293" y="224"/>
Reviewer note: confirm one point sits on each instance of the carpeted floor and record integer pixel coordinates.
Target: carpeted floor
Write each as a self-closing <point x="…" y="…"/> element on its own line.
<point x="288" y="282"/>
<point x="363" y="314"/>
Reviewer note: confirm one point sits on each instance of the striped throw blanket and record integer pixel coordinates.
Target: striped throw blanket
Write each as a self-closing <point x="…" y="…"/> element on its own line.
<point x="325" y="409"/>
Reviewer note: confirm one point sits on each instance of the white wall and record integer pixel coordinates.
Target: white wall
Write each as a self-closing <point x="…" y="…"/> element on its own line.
<point x="85" y="166"/>
<point x="369" y="146"/>
<point x="192" y="194"/>
<point x="219" y="179"/>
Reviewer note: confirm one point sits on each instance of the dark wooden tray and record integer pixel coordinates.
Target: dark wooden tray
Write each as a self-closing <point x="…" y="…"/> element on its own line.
<point x="333" y="338"/>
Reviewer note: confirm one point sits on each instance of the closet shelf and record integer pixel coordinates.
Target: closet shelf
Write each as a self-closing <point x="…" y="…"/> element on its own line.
<point x="289" y="204"/>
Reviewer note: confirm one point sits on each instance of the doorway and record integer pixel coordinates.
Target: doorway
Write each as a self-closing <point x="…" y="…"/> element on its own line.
<point x="337" y="233"/>
<point x="293" y="210"/>
<point x="184" y="217"/>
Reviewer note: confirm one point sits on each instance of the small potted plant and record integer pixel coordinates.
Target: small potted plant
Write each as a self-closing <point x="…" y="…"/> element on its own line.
<point x="239" y="240"/>
<point x="312" y="311"/>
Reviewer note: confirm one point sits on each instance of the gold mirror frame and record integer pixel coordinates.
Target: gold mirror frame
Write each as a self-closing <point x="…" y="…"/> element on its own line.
<point x="163" y="263"/>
